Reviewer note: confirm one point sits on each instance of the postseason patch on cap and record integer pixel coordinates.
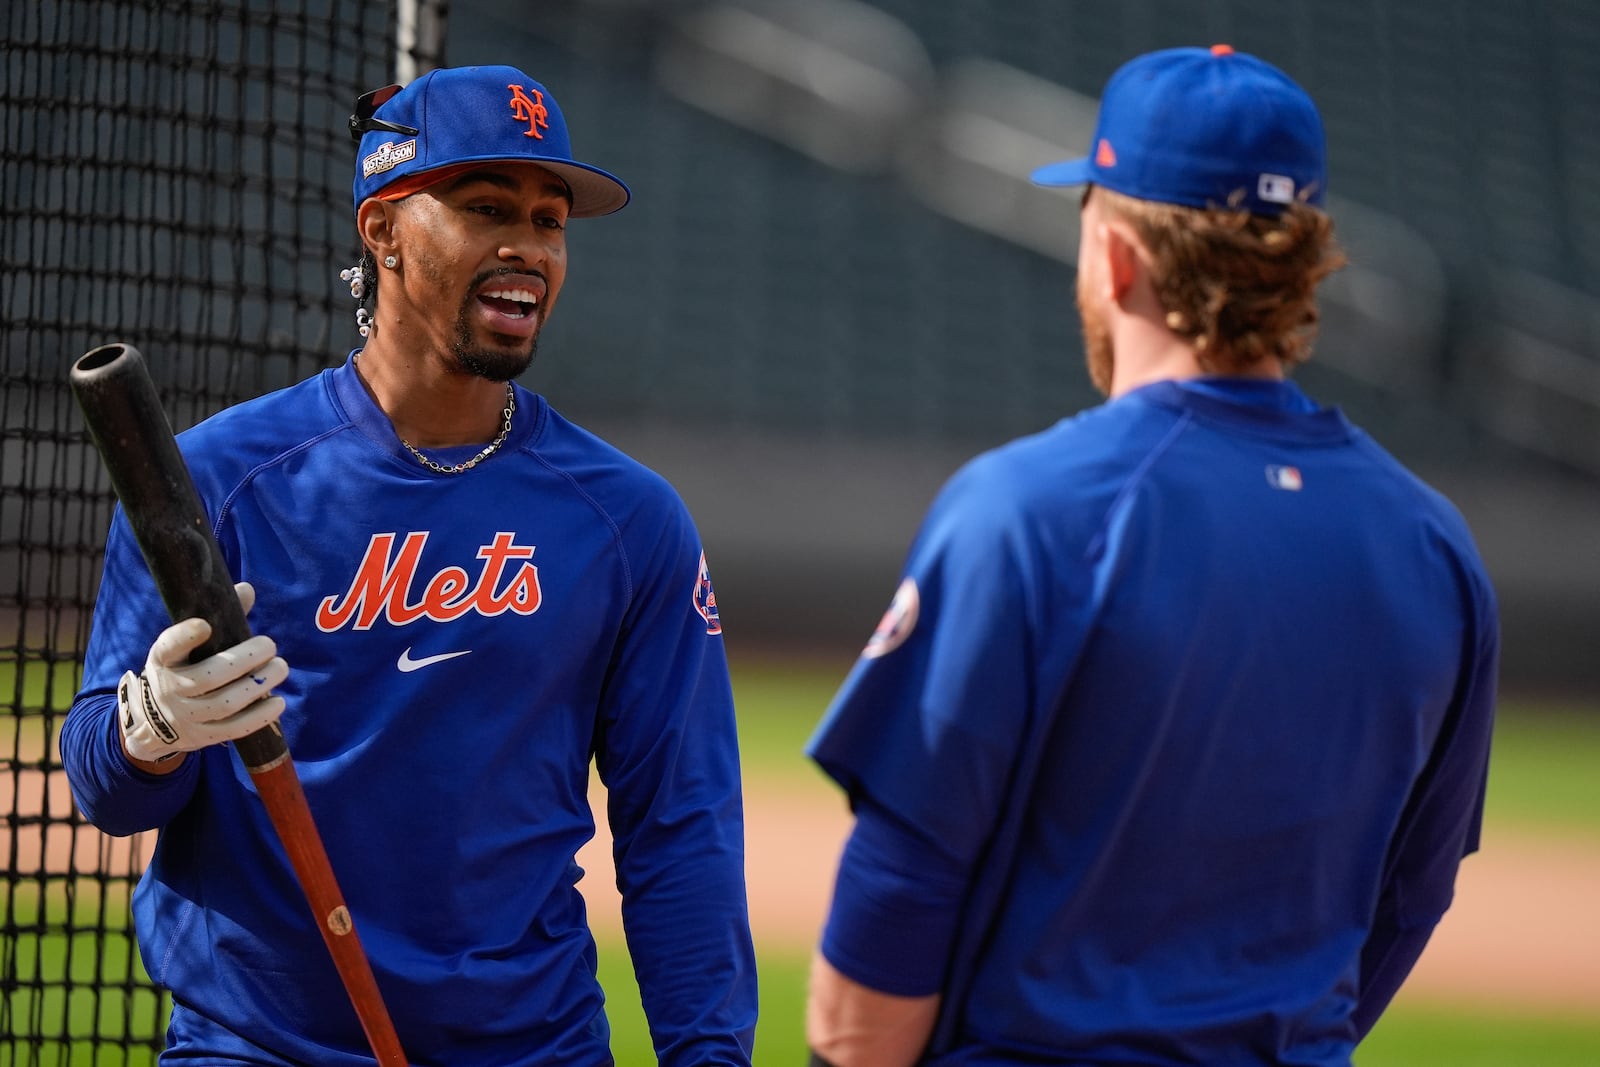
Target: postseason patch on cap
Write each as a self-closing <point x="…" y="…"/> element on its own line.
<point x="388" y="156"/>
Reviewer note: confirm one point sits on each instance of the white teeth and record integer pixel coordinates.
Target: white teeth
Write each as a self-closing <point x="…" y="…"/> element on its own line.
<point x="521" y="296"/>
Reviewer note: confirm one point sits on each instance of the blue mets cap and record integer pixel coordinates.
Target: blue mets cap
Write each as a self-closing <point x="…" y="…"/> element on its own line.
<point x="456" y="118"/>
<point x="1204" y="127"/>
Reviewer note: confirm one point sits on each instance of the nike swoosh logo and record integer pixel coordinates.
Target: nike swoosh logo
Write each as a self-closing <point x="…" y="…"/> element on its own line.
<point x="407" y="664"/>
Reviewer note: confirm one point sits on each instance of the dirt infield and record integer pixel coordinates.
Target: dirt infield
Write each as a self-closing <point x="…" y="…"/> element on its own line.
<point x="1521" y="937"/>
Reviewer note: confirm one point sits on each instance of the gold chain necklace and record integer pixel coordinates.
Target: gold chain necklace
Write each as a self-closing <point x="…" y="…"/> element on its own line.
<point x="505" y="430"/>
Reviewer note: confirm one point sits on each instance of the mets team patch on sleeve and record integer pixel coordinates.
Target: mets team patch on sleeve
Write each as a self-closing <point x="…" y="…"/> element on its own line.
<point x="705" y="601"/>
<point x="897" y="623"/>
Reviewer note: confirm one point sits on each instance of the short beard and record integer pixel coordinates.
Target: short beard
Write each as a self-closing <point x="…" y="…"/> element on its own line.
<point x="1098" y="351"/>
<point x="496" y="365"/>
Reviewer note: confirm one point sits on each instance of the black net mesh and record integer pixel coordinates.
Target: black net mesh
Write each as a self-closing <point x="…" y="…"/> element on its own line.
<point x="176" y="176"/>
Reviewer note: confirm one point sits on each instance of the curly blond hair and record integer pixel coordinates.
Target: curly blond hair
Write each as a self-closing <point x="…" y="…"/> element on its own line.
<point x="1240" y="287"/>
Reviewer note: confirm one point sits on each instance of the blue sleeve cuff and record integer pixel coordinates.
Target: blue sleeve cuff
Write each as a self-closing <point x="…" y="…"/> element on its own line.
<point x="896" y="905"/>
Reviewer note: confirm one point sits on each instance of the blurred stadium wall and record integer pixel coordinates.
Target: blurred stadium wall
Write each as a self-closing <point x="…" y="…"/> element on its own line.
<point x="835" y="283"/>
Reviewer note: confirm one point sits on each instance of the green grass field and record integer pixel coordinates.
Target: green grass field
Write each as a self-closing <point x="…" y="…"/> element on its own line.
<point x="1543" y="777"/>
<point x="1406" y="1037"/>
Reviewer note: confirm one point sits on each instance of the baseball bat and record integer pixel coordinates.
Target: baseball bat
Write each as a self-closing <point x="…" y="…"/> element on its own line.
<point x="130" y="430"/>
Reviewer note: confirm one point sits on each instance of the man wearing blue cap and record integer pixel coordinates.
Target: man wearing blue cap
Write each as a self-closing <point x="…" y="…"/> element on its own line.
<point x="478" y="599"/>
<point x="1171" y="741"/>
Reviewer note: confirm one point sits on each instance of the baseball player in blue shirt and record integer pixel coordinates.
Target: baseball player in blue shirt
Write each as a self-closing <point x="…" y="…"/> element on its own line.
<point x="1170" y="744"/>
<point x="461" y="599"/>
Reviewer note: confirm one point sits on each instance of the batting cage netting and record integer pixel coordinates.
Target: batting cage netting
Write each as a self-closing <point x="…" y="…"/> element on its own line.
<point x="176" y="176"/>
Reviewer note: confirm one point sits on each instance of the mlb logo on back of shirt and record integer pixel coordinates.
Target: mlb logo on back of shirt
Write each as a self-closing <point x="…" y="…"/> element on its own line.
<point x="1284" y="478"/>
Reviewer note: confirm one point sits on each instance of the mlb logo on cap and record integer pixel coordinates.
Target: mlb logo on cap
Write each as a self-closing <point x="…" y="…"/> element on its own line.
<point x="1276" y="188"/>
<point x="1204" y="127"/>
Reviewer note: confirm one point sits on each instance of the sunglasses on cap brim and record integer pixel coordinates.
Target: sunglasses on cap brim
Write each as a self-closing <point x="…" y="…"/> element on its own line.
<point x="362" y="121"/>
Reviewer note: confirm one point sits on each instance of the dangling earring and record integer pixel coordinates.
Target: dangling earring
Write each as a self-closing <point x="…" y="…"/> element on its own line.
<point x="357" y="280"/>
<point x="358" y="276"/>
<point x="390" y="262"/>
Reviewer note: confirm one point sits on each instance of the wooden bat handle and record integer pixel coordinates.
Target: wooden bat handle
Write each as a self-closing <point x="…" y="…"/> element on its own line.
<point x="280" y="790"/>
<point x="130" y="430"/>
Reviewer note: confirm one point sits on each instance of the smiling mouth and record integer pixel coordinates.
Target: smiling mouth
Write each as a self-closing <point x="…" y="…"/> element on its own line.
<point x="512" y="303"/>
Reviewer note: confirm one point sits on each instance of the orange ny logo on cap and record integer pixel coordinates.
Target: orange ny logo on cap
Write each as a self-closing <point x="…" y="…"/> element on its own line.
<point x="530" y="111"/>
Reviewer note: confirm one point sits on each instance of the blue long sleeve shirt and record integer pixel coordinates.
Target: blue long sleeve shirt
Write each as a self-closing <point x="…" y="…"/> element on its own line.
<point x="461" y="647"/>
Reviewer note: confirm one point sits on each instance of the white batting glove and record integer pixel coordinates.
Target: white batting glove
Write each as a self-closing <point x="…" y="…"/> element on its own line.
<point x="175" y="707"/>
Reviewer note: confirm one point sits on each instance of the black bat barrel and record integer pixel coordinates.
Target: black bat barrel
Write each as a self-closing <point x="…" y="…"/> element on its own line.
<point x="130" y="430"/>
